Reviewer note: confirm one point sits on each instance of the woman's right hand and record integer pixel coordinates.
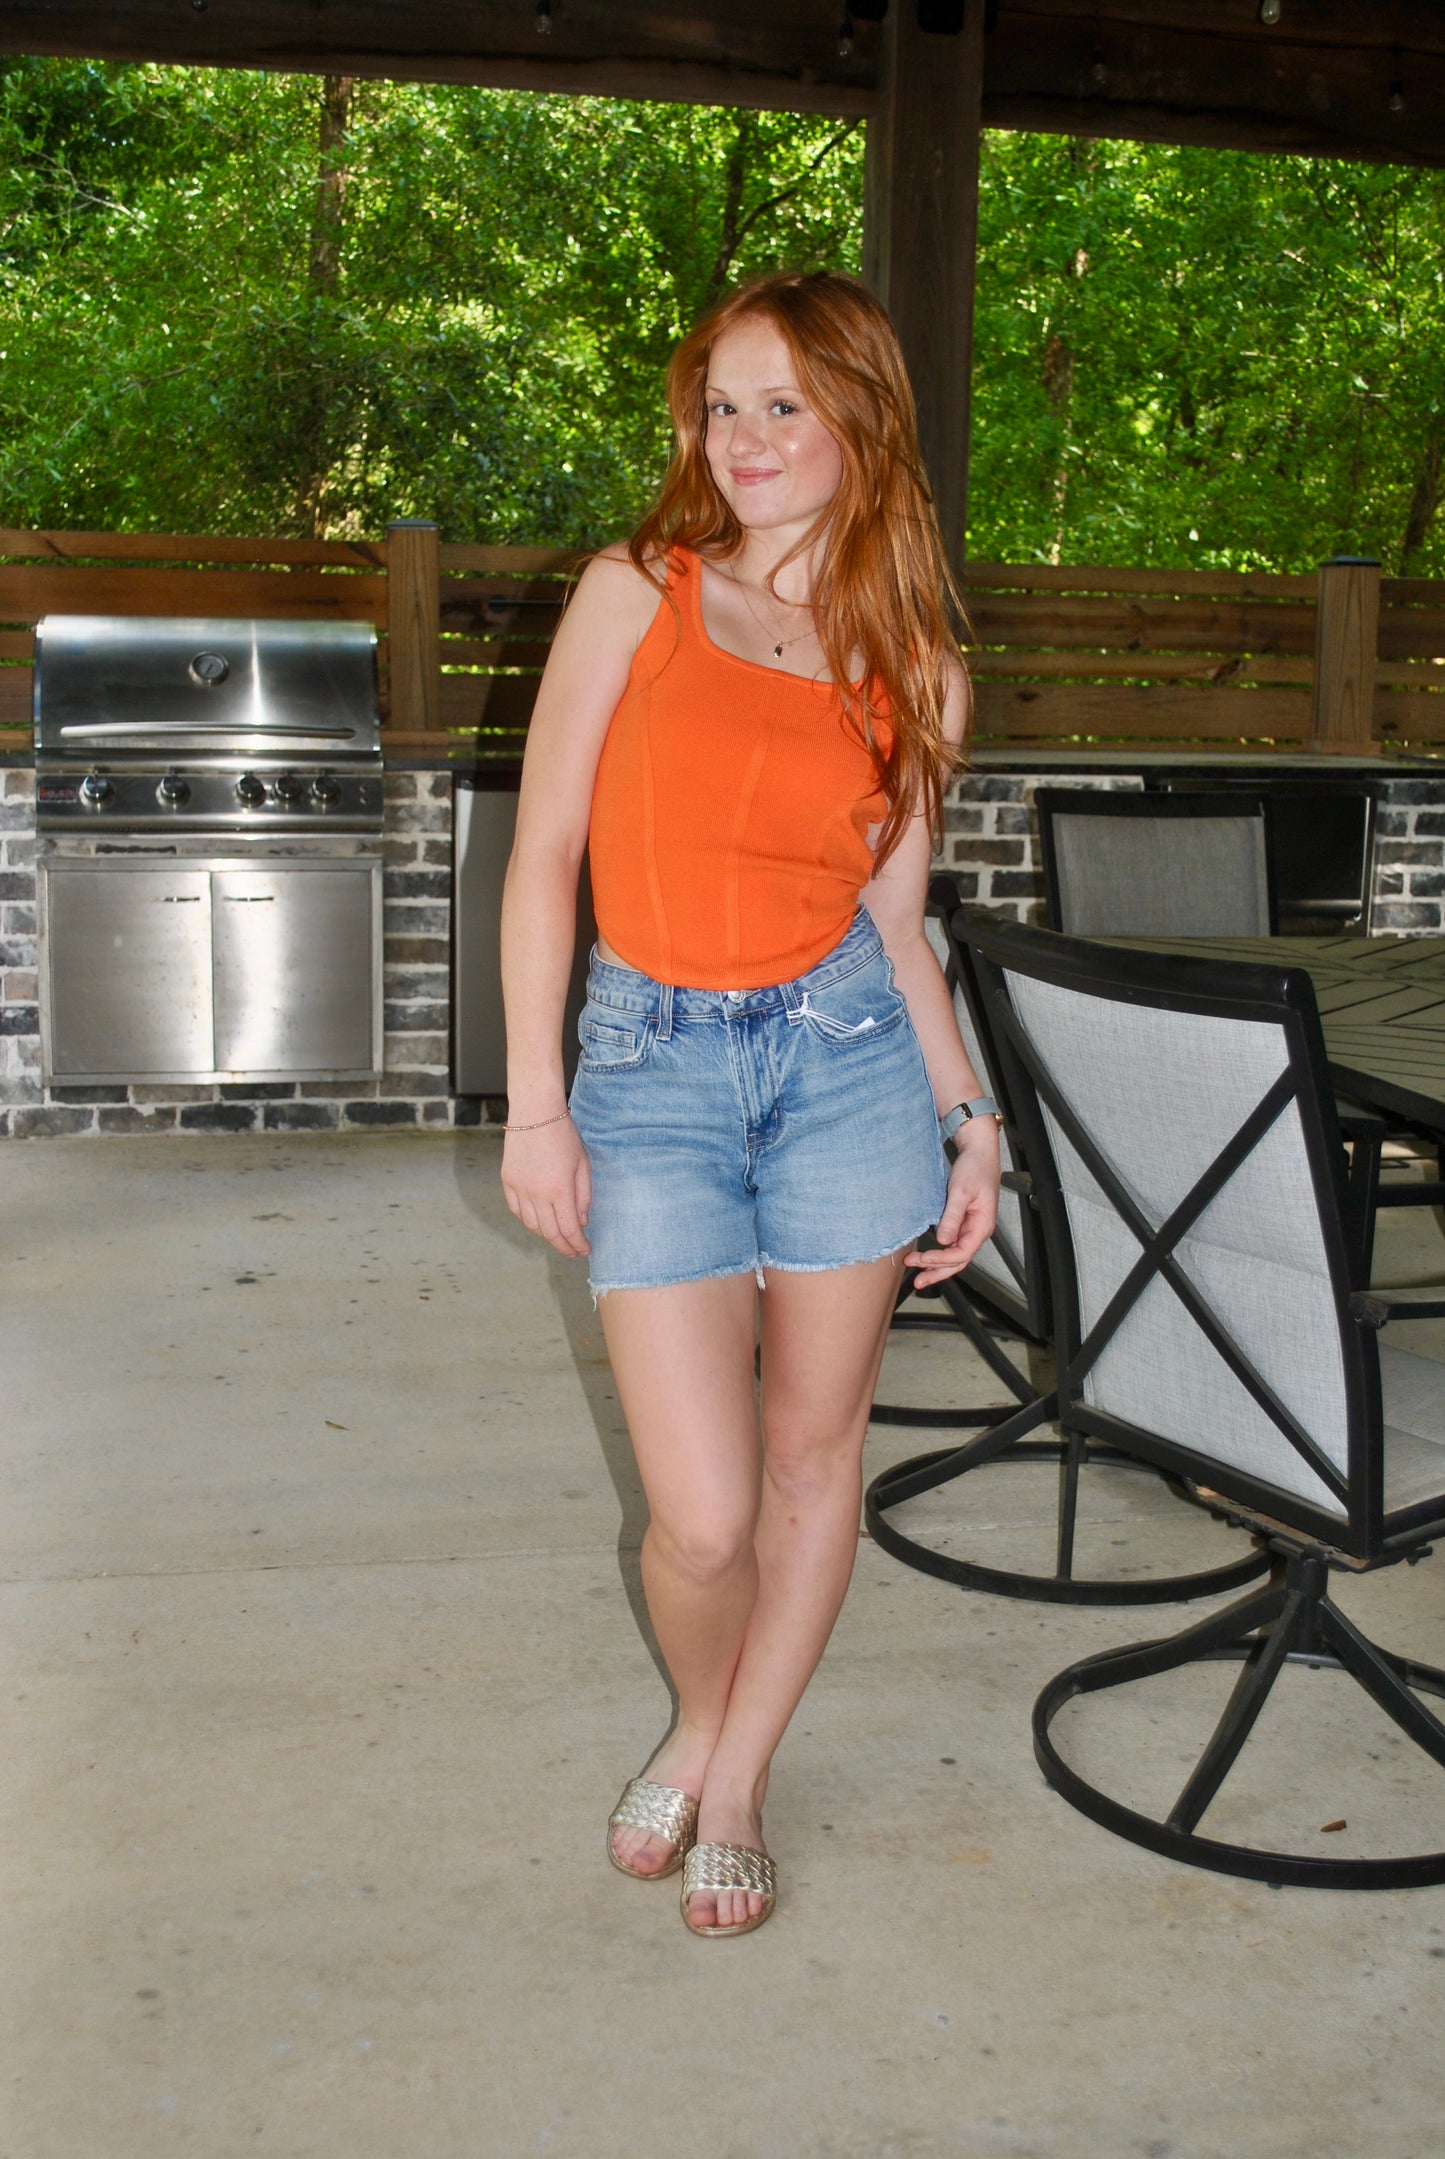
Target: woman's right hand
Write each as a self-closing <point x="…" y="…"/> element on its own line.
<point x="548" y="1183"/>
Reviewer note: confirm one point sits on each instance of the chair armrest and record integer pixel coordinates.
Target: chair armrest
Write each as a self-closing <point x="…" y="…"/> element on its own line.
<point x="1018" y="1180"/>
<point x="1377" y="1307"/>
<point x="1360" y="1123"/>
<point x="943" y="891"/>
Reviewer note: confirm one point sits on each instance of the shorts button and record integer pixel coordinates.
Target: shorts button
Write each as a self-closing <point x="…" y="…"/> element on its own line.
<point x="736" y="995"/>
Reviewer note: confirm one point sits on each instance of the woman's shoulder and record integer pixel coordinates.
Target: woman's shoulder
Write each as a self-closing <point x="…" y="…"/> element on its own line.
<point x="612" y="589"/>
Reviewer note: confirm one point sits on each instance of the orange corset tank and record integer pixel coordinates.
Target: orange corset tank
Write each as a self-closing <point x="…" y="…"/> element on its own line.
<point x="729" y="830"/>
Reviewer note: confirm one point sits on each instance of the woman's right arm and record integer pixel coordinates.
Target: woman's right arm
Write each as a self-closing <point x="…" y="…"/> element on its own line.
<point x="545" y="1174"/>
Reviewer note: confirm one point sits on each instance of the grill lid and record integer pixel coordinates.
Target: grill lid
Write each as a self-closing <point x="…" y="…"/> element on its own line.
<point x="121" y="683"/>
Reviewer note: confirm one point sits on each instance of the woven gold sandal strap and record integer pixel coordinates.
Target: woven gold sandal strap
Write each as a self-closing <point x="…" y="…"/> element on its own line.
<point x="728" y="1866"/>
<point x="658" y="1808"/>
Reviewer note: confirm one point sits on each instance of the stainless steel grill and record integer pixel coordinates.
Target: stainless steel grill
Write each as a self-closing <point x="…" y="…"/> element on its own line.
<point x="206" y="726"/>
<point x="209" y="805"/>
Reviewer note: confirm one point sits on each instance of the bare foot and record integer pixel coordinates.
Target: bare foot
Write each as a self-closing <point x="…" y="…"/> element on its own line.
<point x="681" y="1761"/>
<point x="728" y="1819"/>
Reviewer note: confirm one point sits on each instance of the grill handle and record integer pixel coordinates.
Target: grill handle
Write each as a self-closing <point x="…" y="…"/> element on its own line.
<point x="109" y="730"/>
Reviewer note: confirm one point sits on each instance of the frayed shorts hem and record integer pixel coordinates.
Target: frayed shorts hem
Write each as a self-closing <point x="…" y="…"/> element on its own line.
<point x="860" y="1259"/>
<point x="763" y="1260"/>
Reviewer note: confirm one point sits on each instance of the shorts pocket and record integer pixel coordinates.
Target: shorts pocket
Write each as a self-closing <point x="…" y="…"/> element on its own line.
<point x="858" y="1009"/>
<point x="613" y="1041"/>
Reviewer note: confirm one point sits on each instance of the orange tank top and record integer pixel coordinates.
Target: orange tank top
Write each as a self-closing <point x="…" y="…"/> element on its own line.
<point x="728" y="839"/>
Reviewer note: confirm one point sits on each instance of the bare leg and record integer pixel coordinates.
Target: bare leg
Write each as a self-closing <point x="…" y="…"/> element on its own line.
<point x="823" y="1337"/>
<point x="683" y="1361"/>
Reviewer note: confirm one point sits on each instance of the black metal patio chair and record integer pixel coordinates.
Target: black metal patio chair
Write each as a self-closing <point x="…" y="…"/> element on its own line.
<point x="1003" y="1295"/>
<point x="1134" y="863"/>
<point x="1006" y="1289"/>
<point x="1212" y="1317"/>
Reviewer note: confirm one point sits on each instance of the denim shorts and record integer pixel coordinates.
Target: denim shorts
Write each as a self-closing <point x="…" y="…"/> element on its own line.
<point x="733" y="1130"/>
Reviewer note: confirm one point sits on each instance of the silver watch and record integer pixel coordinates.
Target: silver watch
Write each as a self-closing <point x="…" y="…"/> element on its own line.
<point x="982" y="1105"/>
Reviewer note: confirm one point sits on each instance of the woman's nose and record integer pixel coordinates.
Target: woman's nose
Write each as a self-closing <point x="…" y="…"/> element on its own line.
<point x="746" y="437"/>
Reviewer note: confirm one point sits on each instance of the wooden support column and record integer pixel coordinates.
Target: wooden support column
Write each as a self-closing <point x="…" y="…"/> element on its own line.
<point x="1346" y="632"/>
<point x="413" y="622"/>
<point x="920" y="231"/>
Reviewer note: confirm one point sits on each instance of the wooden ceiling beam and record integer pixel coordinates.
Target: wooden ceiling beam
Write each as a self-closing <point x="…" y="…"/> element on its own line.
<point x="1319" y="82"/>
<point x="775" y="54"/>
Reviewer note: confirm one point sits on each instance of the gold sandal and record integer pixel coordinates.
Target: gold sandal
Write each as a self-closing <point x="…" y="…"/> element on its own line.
<point x="662" y="1811"/>
<point x="729" y="1866"/>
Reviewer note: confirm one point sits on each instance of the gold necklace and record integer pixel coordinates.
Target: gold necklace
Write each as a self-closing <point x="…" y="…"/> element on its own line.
<point x="783" y="642"/>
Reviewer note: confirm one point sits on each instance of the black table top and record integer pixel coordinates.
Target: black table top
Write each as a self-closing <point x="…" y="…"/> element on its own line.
<point x="1382" y="1007"/>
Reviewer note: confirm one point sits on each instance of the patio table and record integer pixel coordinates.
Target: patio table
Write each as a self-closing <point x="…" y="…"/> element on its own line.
<point x="1382" y="1007"/>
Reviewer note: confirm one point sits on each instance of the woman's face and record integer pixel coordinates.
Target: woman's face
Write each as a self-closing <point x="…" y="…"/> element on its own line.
<point x="774" y="462"/>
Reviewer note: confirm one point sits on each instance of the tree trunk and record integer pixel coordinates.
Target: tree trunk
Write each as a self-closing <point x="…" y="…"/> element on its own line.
<point x="324" y="268"/>
<point x="323" y="278"/>
<point x="1425" y="501"/>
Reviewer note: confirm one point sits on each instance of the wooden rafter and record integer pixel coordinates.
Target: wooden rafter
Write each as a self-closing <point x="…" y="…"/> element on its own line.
<point x="1345" y="78"/>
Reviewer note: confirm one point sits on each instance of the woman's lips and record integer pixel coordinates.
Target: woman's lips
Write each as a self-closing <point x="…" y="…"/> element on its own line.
<point x="749" y="476"/>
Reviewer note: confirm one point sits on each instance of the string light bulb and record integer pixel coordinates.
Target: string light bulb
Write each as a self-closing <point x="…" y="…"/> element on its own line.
<point x="1397" y="86"/>
<point x="1269" y="13"/>
<point x="845" y="35"/>
<point x="544" y="18"/>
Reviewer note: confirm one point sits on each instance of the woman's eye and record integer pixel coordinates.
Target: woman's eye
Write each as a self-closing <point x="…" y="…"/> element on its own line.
<point x="781" y="405"/>
<point x="721" y="410"/>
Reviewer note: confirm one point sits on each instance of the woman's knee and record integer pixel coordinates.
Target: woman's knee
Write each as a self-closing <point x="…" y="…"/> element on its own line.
<point x="804" y="1461"/>
<point x="703" y="1548"/>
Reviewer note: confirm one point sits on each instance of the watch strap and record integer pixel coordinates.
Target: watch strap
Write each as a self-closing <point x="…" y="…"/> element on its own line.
<point x="982" y="1105"/>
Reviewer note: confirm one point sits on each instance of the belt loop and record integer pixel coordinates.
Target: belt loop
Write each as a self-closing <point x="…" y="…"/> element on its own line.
<point x="664" y="1013"/>
<point x="792" y="1004"/>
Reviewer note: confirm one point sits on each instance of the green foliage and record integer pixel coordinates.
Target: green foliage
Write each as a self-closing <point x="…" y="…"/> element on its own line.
<point x="513" y="271"/>
<point x="1197" y="357"/>
<point x="211" y="321"/>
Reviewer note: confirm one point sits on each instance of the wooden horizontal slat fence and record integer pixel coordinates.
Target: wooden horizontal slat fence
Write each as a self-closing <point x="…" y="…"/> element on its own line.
<point x="1061" y="656"/>
<point x="1124" y="658"/>
<point x="1408" y="707"/>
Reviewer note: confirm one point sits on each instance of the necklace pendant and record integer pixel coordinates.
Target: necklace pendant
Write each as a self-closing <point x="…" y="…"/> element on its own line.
<point x="777" y="652"/>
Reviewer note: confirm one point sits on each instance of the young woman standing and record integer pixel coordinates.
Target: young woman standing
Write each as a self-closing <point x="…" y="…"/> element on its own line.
<point x="751" y="711"/>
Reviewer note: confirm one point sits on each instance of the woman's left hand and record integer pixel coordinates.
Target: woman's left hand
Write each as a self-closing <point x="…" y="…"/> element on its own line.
<point x="969" y="1211"/>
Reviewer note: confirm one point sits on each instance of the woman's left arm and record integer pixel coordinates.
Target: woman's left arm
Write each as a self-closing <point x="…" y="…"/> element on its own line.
<point x="895" y="899"/>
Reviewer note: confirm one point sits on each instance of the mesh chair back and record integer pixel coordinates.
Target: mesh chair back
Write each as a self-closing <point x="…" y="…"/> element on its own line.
<point x="1008" y="1272"/>
<point x="1154" y="865"/>
<point x="1179" y="1134"/>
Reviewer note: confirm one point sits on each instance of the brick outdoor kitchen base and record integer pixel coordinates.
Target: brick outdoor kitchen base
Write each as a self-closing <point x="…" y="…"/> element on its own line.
<point x="416" y="989"/>
<point x="990" y="843"/>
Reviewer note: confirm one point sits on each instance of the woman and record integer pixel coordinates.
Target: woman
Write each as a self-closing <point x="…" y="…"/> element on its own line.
<point x="752" y="709"/>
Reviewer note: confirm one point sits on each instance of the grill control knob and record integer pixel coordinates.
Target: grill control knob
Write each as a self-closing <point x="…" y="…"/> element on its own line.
<point x="286" y="788"/>
<point x="95" y="788"/>
<point x="250" y="790"/>
<point x="325" y="789"/>
<point x="173" y="789"/>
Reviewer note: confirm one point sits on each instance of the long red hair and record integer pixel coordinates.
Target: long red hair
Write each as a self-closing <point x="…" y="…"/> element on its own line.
<point x="883" y="589"/>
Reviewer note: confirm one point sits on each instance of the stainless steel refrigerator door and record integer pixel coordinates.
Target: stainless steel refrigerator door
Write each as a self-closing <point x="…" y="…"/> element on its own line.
<point x="126" y="992"/>
<point x="295" y="974"/>
<point x="484" y="822"/>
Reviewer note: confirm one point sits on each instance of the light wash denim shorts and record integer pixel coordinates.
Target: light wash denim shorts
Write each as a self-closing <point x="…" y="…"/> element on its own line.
<point x="734" y="1130"/>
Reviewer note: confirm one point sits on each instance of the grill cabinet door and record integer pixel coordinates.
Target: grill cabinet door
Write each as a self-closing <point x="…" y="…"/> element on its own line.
<point x="294" y="970"/>
<point x="128" y="971"/>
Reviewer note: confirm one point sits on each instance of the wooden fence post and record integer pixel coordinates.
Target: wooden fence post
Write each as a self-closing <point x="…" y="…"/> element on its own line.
<point x="413" y="621"/>
<point x="1346" y="630"/>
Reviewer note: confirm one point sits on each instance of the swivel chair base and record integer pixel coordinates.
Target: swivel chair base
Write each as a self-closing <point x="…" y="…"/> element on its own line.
<point x="1006" y="1442"/>
<point x="1291" y="1620"/>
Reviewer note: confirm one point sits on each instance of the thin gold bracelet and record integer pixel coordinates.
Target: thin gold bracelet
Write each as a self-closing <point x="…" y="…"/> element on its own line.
<point x="539" y="1126"/>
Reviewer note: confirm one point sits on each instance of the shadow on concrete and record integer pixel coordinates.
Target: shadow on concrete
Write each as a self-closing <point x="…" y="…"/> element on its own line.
<point x="476" y="1174"/>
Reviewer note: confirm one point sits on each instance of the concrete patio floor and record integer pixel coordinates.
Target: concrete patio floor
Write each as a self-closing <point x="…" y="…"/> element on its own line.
<point x="323" y="1664"/>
